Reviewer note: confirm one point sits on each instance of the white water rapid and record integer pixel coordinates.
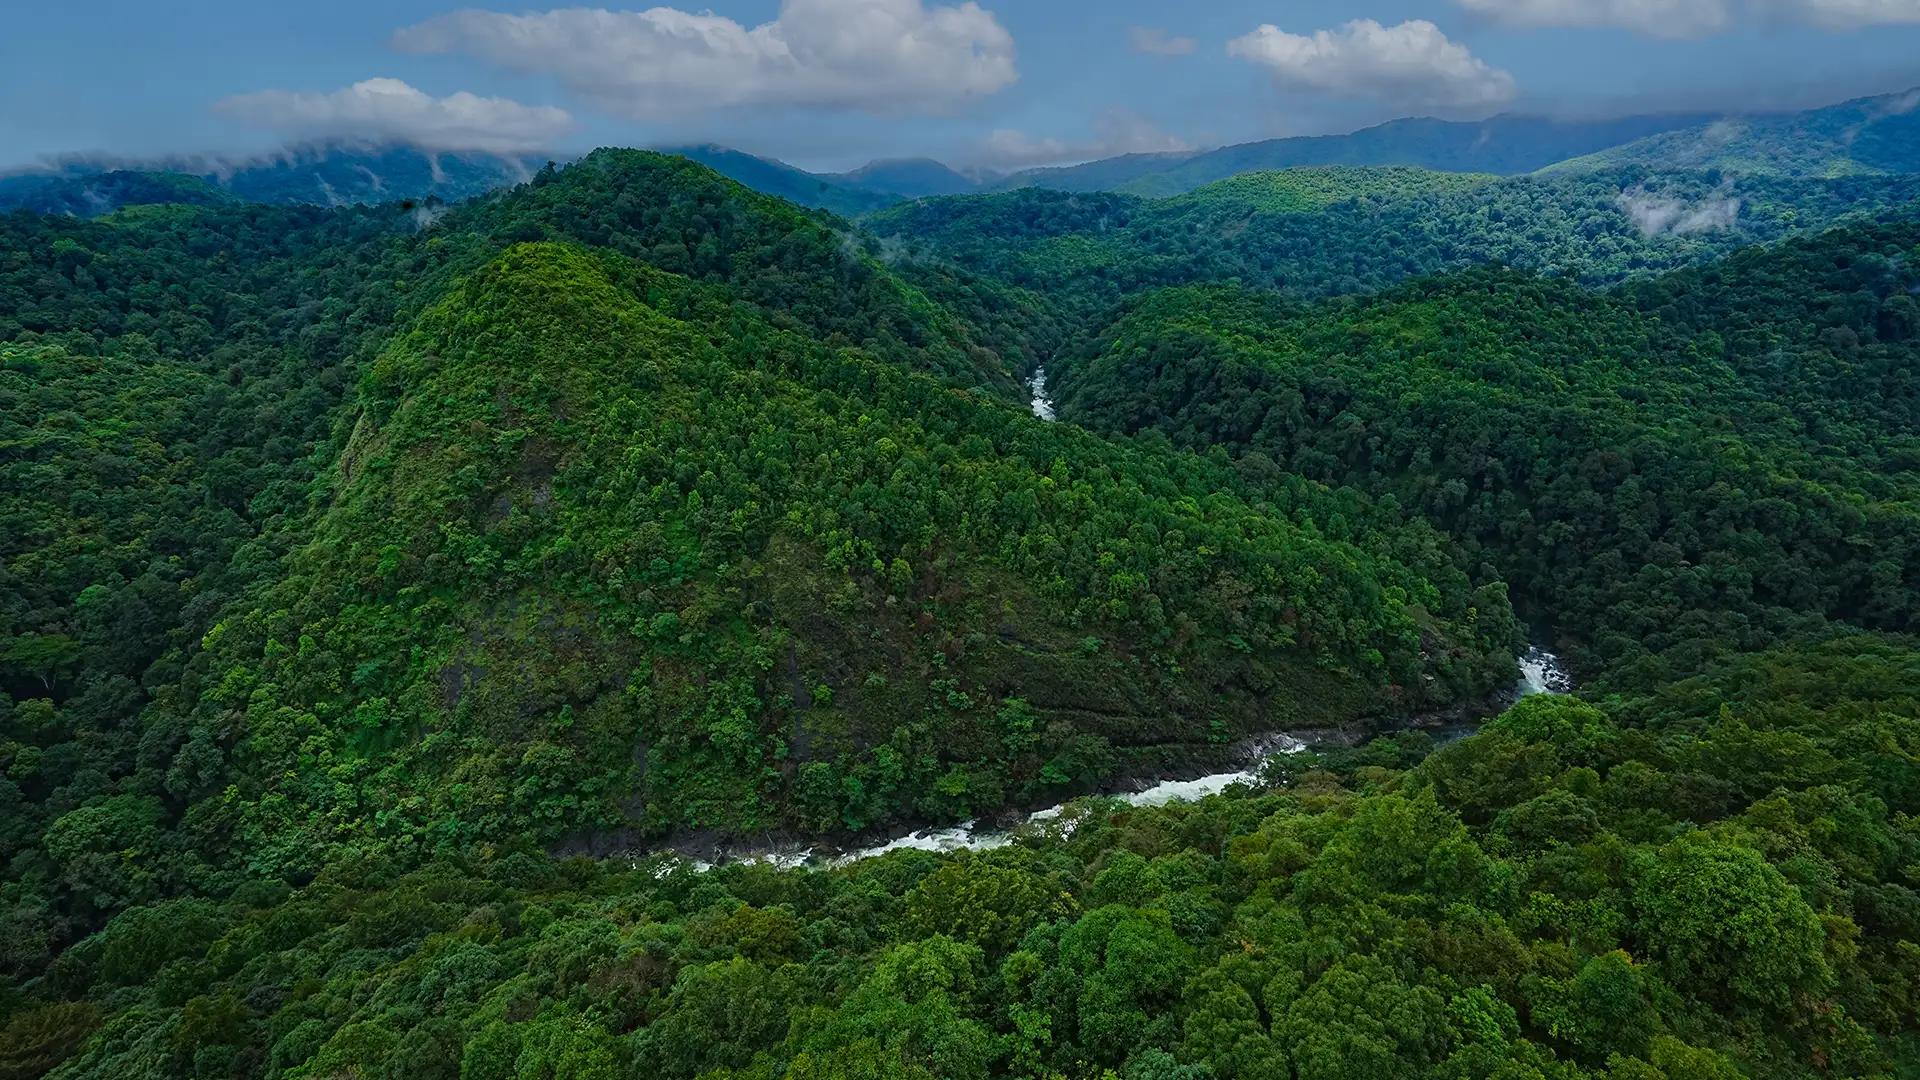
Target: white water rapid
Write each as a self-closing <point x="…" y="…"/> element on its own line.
<point x="1042" y="404"/>
<point x="1540" y="673"/>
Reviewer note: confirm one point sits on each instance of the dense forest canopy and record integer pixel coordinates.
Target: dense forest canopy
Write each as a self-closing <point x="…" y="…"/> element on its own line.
<point x="388" y="592"/>
<point x="1594" y="227"/>
<point x="1608" y="452"/>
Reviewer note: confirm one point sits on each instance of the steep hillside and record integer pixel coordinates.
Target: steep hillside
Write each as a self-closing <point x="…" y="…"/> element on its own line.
<point x="723" y="513"/>
<point x="1868" y="136"/>
<point x="604" y="555"/>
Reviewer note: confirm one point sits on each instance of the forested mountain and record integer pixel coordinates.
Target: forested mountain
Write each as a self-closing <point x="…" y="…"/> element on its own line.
<point x="840" y="194"/>
<point x="93" y="194"/>
<point x="334" y="176"/>
<point x="388" y="593"/>
<point x="1605" y="451"/>
<point x="909" y="178"/>
<point x="557" y="544"/>
<point x="317" y="175"/>
<point x="1319" y="232"/>
<point x="1865" y="137"/>
<point x="1505" y="145"/>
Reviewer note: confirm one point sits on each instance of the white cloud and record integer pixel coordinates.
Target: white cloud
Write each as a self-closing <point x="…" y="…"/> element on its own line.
<point x="1117" y="132"/>
<point x="1657" y="18"/>
<point x="1411" y="64"/>
<point x="1694" y="18"/>
<point x="1845" y="14"/>
<point x="1157" y="42"/>
<point x="1658" y="215"/>
<point x="388" y="110"/>
<point x="871" y="55"/>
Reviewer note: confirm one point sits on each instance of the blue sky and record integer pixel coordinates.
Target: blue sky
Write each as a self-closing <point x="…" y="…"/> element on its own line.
<point x="832" y="83"/>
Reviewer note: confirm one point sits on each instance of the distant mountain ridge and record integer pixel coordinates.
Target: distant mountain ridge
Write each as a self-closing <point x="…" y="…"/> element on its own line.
<point x="910" y="178"/>
<point x="1867" y="136"/>
<point x="1871" y="136"/>
<point x="796" y="185"/>
<point x="1505" y="145"/>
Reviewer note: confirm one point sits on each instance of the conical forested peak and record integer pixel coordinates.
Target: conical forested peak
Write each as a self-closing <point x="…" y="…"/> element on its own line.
<point x="802" y="270"/>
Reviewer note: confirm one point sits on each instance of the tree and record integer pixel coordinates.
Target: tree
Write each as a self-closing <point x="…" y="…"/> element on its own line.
<point x="1727" y="925"/>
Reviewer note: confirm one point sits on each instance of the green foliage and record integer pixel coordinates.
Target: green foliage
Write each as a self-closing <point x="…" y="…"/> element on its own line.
<point x="1369" y="921"/>
<point x="358" y="568"/>
<point x="663" y="514"/>
<point x="1722" y="920"/>
<point x="1317" y="233"/>
<point x="1698" y="462"/>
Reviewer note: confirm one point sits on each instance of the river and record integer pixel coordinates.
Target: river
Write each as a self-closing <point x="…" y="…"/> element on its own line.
<point x="1037" y="386"/>
<point x="1540" y="673"/>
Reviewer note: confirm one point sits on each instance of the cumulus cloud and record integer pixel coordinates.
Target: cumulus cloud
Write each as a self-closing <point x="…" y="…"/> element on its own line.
<point x="390" y="111"/>
<point x="1694" y="18"/>
<point x="1157" y="42"/>
<point x="1412" y="64"/>
<point x="870" y="55"/>
<point x="1117" y="132"/>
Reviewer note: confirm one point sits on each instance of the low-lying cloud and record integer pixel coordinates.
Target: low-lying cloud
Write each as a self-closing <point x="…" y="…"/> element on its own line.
<point x="1115" y="133"/>
<point x="1695" y="18"/>
<point x="1663" y="215"/>
<point x="1412" y="64"/>
<point x="880" y="56"/>
<point x="390" y="111"/>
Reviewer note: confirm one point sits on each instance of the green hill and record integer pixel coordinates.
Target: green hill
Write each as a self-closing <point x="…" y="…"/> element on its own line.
<point x="627" y="501"/>
<point x="1308" y="189"/>
<point x="604" y="555"/>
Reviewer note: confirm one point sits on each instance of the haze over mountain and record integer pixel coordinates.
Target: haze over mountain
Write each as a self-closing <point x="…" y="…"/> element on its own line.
<point x="1859" y="137"/>
<point x="1502" y="144"/>
<point x="319" y="175"/>
<point x="1868" y="136"/>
